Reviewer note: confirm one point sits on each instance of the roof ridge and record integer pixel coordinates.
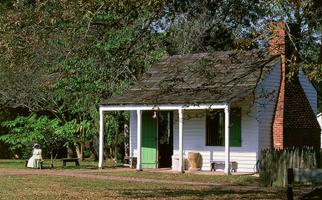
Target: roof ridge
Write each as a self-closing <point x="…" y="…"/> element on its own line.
<point x="232" y="51"/>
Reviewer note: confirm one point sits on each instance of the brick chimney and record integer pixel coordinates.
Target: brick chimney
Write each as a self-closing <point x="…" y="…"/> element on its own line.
<point x="294" y="122"/>
<point x="277" y="47"/>
<point x="277" y="38"/>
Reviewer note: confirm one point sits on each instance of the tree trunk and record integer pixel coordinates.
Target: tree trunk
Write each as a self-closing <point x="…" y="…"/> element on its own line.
<point x="51" y="159"/>
<point x="79" y="151"/>
<point x="320" y="55"/>
<point x="126" y="141"/>
<point x="89" y="145"/>
<point x="82" y="150"/>
<point x="70" y="153"/>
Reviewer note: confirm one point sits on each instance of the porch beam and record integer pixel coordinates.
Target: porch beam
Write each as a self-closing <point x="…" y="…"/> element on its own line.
<point x="163" y="107"/>
<point x="139" y="140"/>
<point x="101" y="140"/>
<point x="181" y="164"/>
<point x="227" y="145"/>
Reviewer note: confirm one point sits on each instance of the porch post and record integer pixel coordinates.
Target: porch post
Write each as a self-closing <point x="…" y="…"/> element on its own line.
<point x="227" y="147"/>
<point x="101" y="140"/>
<point x="181" y="161"/>
<point x="139" y="139"/>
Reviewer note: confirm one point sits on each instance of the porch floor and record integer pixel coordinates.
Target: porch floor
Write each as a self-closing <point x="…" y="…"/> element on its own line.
<point x="202" y="172"/>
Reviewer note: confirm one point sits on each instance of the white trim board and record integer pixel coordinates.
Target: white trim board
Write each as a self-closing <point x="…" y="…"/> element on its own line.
<point x="162" y="107"/>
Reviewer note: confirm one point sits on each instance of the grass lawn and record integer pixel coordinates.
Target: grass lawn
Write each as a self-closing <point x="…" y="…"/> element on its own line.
<point x="220" y="179"/>
<point x="53" y="186"/>
<point x="48" y="187"/>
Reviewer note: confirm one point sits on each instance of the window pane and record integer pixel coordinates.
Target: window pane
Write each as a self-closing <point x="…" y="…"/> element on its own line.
<point x="215" y="128"/>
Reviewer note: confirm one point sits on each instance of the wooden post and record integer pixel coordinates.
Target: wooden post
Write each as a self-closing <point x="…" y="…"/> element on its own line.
<point x="181" y="161"/>
<point x="290" y="179"/>
<point x="227" y="147"/>
<point x="139" y="140"/>
<point x="101" y="140"/>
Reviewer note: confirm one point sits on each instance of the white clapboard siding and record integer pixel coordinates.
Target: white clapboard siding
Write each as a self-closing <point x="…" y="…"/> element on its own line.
<point x="266" y="99"/>
<point x="194" y="139"/>
<point x="319" y="117"/>
<point x="309" y="90"/>
<point x="246" y="160"/>
<point x="133" y="133"/>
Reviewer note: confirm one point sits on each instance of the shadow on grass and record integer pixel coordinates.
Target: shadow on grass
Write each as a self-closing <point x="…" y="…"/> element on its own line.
<point x="213" y="192"/>
<point x="236" y="180"/>
<point x="314" y="194"/>
<point x="248" y="181"/>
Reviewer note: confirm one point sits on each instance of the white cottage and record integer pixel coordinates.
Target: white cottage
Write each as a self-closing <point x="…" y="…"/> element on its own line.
<point x="227" y="106"/>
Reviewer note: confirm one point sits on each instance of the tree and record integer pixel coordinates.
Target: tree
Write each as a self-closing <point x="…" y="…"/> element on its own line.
<point x="25" y="130"/>
<point x="63" y="58"/>
<point x="307" y="16"/>
<point x="206" y="26"/>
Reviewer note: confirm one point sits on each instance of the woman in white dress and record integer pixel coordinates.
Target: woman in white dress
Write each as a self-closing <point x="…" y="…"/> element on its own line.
<point x="36" y="157"/>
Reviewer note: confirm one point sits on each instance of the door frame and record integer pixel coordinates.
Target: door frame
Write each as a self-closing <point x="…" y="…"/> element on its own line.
<point x="157" y="153"/>
<point x="146" y="160"/>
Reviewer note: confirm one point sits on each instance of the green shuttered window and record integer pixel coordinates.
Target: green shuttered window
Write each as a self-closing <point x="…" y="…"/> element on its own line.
<point x="235" y="127"/>
<point x="215" y="128"/>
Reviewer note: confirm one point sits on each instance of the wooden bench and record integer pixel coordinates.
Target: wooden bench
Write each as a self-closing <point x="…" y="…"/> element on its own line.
<point x="40" y="164"/>
<point x="300" y="175"/>
<point x="65" y="160"/>
<point x="214" y="165"/>
<point x="130" y="161"/>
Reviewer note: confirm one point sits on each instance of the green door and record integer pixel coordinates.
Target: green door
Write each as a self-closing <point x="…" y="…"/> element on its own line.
<point x="149" y="140"/>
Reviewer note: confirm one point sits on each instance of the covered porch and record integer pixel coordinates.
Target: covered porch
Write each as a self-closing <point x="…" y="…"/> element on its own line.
<point x="180" y="109"/>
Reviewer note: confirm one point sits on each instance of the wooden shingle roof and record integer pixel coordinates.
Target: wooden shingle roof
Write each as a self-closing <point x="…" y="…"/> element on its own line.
<point x="199" y="78"/>
<point x="298" y="112"/>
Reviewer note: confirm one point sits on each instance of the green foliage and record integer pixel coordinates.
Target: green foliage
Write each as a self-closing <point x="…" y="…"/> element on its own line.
<point x="24" y="130"/>
<point x="114" y="134"/>
<point x="51" y="134"/>
<point x="113" y="52"/>
<point x="273" y="164"/>
<point x="74" y="54"/>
